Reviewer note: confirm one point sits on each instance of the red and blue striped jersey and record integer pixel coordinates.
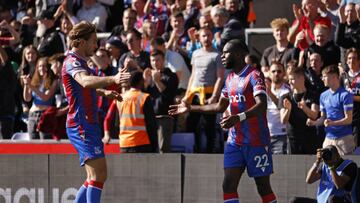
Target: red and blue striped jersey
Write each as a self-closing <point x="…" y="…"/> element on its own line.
<point x="241" y="89"/>
<point x="82" y="101"/>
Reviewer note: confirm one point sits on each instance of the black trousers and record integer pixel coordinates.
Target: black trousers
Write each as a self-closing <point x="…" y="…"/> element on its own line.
<point x="6" y="128"/>
<point x="138" y="149"/>
<point x="209" y="124"/>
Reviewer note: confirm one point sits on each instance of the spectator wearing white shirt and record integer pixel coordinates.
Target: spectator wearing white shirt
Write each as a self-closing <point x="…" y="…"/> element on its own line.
<point x="275" y="88"/>
<point x="174" y="61"/>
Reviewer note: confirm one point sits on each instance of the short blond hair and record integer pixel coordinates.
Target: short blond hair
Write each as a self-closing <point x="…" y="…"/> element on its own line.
<point x="280" y="23"/>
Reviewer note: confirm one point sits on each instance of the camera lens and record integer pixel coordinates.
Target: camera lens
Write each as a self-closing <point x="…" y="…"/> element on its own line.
<point x="326" y="154"/>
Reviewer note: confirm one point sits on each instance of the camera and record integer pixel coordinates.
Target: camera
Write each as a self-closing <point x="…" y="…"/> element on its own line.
<point x="326" y="154"/>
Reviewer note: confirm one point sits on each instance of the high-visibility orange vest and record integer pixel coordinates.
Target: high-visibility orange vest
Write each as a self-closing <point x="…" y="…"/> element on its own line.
<point x="132" y="119"/>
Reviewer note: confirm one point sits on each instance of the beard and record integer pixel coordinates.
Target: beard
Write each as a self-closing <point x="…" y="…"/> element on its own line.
<point x="229" y="64"/>
<point x="40" y="31"/>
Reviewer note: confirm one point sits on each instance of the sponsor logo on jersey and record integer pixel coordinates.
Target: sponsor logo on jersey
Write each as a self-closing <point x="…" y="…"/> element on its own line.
<point x="237" y="98"/>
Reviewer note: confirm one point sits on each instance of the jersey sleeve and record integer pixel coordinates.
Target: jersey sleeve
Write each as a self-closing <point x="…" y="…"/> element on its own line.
<point x="258" y="83"/>
<point x="73" y="67"/>
<point x="348" y="102"/>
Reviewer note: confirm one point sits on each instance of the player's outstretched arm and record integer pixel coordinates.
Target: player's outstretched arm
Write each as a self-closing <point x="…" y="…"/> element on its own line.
<point x="179" y="109"/>
<point x="89" y="81"/>
<point x="218" y="107"/>
<point x="110" y="94"/>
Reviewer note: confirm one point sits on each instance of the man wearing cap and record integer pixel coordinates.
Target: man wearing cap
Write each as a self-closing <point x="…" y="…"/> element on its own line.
<point x="49" y="41"/>
<point x="116" y="48"/>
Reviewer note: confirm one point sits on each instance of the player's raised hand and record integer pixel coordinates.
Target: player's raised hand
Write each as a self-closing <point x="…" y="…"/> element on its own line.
<point x="229" y="121"/>
<point x="179" y="109"/>
<point x="122" y="77"/>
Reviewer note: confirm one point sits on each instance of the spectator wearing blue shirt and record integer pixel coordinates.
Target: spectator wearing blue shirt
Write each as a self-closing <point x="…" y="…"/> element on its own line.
<point x="336" y="106"/>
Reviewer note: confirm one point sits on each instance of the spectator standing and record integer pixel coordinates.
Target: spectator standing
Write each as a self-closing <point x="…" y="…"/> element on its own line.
<point x="28" y="28"/>
<point x="157" y="11"/>
<point x="240" y="10"/>
<point x="323" y="45"/>
<point x="348" y="30"/>
<point x="161" y="83"/>
<point x="128" y="23"/>
<point x="282" y="50"/>
<point x="351" y="81"/>
<point x="233" y="29"/>
<point x="49" y="41"/>
<point x="178" y="38"/>
<point x="275" y="89"/>
<point x="220" y="16"/>
<point x="138" y="6"/>
<point x="41" y="89"/>
<point x="330" y="9"/>
<point x="295" y="109"/>
<point x="116" y="49"/>
<point x="336" y="106"/>
<point x="313" y="74"/>
<point x="135" y="59"/>
<point x="306" y="18"/>
<point x="148" y="33"/>
<point x="8" y="86"/>
<point x="65" y="27"/>
<point x="204" y="87"/>
<point x="28" y="61"/>
<point x="93" y="12"/>
<point x="175" y="62"/>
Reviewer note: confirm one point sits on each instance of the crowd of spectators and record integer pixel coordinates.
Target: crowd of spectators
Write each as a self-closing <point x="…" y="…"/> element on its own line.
<point x="177" y="45"/>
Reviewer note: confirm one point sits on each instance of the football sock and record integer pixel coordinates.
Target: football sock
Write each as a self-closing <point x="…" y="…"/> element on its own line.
<point x="269" y="198"/>
<point x="231" y="198"/>
<point x="81" y="194"/>
<point x="93" y="194"/>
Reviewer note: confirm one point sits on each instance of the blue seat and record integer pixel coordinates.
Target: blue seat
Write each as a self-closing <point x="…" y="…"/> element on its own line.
<point x="182" y="142"/>
<point x="357" y="151"/>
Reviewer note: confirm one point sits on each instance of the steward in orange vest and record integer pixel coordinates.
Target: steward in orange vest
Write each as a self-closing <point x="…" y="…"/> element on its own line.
<point x="137" y="119"/>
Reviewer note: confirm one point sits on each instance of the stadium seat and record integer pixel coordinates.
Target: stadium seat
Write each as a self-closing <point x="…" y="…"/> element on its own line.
<point x="357" y="151"/>
<point x="20" y="136"/>
<point x="183" y="142"/>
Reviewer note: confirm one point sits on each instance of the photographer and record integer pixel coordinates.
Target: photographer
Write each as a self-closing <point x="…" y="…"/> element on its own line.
<point x="337" y="178"/>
